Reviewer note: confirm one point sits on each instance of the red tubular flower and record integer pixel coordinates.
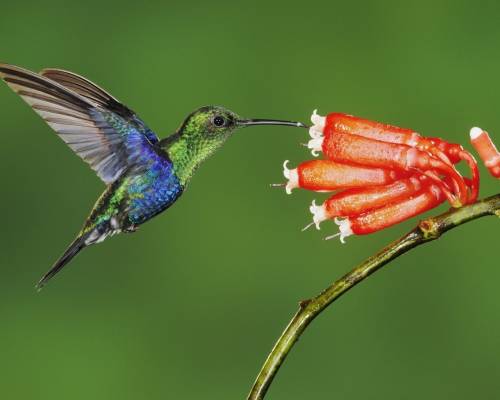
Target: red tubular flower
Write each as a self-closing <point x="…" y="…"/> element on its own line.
<point x="486" y="150"/>
<point x="328" y="175"/>
<point x="337" y="122"/>
<point x="384" y="174"/>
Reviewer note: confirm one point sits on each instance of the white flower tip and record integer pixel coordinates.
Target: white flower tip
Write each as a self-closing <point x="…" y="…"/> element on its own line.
<point x="293" y="177"/>
<point x="313" y="206"/>
<point x="315" y="145"/>
<point x="314" y="115"/>
<point x="475" y="133"/>
<point x="286" y="170"/>
<point x="344" y="228"/>
<point x="318" y="124"/>
<point x="314" y="132"/>
<point x="318" y="212"/>
<point x="317" y="119"/>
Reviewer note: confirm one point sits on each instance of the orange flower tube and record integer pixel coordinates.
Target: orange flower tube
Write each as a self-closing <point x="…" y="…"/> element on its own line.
<point x="328" y="175"/>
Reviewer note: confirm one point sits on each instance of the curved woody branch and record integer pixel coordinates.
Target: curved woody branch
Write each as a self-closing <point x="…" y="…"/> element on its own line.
<point x="427" y="230"/>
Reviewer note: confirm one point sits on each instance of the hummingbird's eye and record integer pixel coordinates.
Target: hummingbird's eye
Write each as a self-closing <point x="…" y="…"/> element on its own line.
<point x="219" y="121"/>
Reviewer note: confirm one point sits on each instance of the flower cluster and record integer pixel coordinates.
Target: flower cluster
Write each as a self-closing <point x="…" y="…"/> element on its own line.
<point x="383" y="174"/>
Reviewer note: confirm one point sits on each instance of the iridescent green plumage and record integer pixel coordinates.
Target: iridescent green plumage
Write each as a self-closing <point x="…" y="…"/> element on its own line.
<point x="144" y="176"/>
<point x="197" y="139"/>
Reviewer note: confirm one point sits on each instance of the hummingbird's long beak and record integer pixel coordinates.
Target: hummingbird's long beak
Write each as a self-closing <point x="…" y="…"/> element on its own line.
<point x="250" y="122"/>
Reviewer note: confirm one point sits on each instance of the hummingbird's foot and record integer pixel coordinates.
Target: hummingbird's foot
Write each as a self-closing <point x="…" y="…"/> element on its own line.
<point x="130" y="229"/>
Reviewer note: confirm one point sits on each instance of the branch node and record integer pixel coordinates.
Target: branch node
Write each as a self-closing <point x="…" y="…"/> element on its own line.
<point x="304" y="303"/>
<point x="430" y="229"/>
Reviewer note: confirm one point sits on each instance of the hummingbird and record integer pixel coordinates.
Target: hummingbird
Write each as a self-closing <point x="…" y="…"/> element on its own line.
<point x="144" y="175"/>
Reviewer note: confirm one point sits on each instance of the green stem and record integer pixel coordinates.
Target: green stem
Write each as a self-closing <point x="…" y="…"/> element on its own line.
<point x="428" y="230"/>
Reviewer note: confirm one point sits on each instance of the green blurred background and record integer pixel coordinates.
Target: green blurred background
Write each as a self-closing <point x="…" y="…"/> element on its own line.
<point x="189" y="306"/>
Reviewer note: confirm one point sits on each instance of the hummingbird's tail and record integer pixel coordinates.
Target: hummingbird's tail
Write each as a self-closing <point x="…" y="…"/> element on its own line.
<point x="73" y="249"/>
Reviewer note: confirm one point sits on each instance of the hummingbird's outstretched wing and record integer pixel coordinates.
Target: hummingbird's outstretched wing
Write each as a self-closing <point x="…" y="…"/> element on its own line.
<point x="91" y="91"/>
<point x="102" y="131"/>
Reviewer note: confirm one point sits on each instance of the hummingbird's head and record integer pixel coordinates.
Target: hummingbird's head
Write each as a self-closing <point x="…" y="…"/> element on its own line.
<point x="208" y="127"/>
<point x="204" y="131"/>
<point x="211" y="126"/>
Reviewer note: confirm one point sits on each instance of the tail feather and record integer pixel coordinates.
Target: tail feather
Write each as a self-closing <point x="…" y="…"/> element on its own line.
<point x="73" y="249"/>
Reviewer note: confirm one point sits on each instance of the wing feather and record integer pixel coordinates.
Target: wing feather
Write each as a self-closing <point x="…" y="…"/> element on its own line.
<point x="102" y="131"/>
<point x="81" y="85"/>
<point x="94" y="93"/>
